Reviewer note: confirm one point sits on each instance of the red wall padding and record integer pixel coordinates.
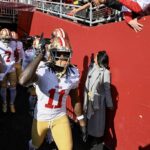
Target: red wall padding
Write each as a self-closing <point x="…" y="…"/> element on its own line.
<point x="129" y="54"/>
<point x="24" y="22"/>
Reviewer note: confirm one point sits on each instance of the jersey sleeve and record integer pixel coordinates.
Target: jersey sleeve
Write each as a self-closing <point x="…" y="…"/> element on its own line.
<point x="75" y="77"/>
<point x="21" y="50"/>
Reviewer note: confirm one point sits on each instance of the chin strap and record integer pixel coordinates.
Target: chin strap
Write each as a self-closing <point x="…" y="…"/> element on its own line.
<point x="60" y="74"/>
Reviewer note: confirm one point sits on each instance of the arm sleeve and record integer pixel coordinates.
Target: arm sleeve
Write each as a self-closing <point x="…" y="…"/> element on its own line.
<point x="127" y="16"/>
<point x="107" y="89"/>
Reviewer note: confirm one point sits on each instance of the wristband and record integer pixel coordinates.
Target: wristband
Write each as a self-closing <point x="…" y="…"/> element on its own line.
<point x="80" y="117"/>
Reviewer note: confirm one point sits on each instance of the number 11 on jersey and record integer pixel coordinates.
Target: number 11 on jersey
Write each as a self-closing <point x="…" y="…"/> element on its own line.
<point x="52" y="93"/>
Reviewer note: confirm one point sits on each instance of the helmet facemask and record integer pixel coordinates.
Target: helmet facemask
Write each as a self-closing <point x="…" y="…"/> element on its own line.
<point x="60" y="56"/>
<point x="61" y="53"/>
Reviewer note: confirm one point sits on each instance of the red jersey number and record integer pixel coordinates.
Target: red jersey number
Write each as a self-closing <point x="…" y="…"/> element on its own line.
<point x="52" y="92"/>
<point x="8" y="54"/>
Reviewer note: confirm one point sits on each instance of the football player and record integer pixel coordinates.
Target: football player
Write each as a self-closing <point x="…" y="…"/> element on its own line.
<point x="17" y="46"/>
<point x="28" y="57"/>
<point x="54" y="82"/>
<point x="8" y="58"/>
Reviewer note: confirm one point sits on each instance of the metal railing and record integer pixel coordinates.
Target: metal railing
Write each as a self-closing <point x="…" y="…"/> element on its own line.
<point x="8" y="15"/>
<point x="91" y="16"/>
<point x="8" y="11"/>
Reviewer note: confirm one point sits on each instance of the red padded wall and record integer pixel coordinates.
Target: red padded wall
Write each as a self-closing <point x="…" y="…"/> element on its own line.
<point x="129" y="54"/>
<point x="24" y="22"/>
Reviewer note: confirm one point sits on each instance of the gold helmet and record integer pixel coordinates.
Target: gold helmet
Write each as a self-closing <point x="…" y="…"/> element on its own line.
<point x="58" y="32"/>
<point x="14" y="35"/>
<point x="60" y="49"/>
<point x="5" y="34"/>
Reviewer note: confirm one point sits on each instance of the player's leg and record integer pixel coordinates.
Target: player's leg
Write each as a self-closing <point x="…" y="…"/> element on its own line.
<point x="39" y="131"/>
<point x="32" y="99"/>
<point x="18" y="70"/>
<point x="3" y="92"/>
<point x="12" y="78"/>
<point x="61" y="132"/>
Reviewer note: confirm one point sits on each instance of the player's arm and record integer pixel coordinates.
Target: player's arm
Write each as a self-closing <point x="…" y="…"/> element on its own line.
<point x="1" y="64"/>
<point x="77" y="106"/>
<point x="28" y="76"/>
<point x="78" y="111"/>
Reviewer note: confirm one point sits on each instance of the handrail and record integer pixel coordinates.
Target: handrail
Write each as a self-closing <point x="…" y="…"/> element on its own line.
<point x="9" y="9"/>
<point x="91" y="16"/>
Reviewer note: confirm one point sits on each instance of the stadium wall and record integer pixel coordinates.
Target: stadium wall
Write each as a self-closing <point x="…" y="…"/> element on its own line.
<point x="129" y="54"/>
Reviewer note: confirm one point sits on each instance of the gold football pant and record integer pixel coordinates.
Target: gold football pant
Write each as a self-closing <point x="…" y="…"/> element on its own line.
<point x="60" y="129"/>
<point x="18" y="70"/>
<point x="11" y="78"/>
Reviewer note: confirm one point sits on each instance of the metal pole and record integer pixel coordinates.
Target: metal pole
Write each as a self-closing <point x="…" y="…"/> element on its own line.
<point x="91" y="16"/>
<point x="60" y="9"/>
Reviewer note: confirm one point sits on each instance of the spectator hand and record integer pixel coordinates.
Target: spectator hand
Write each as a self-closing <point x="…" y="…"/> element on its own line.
<point x="73" y="12"/>
<point x="135" y="25"/>
<point x="84" y="133"/>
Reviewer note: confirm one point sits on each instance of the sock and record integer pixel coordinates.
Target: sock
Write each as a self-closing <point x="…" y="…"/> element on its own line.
<point x="12" y="95"/>
<point x="3" y="93"/>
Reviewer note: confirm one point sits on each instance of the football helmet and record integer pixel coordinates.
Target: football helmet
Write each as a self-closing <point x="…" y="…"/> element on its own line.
<point x="5" y="34"/>
<point x="27" y="42"/>
<point x="60" y="50"/>
<point x="58" y="32"/>
<point x="14" y="35"/>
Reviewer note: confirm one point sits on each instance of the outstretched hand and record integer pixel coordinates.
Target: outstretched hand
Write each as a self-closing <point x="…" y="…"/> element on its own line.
<point x="135" y="25"/>
<point x="73" y="12"/>
<point x="40" y="48"/>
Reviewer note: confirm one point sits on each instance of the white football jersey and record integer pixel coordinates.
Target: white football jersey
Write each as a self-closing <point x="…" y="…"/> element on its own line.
<point x="28" y="57"/>
<point x="143" y="4"/>
<point x="13" y="45"/>
<point x="52" y="92"/>
<point x="7" y="55"/>
<point x="17" y="46"/>
<point x="20" y="50"/>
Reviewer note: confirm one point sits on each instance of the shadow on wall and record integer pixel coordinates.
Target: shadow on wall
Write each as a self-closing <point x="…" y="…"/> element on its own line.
<point x="110" y="134"/>
<point x="83" y="77"/>
<point x="147" y="147"/>
<point x="84" y="73"/>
